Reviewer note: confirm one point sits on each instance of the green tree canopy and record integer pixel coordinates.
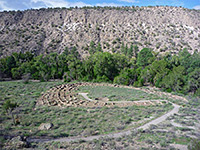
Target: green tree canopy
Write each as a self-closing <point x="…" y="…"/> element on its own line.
<point x="145" y="57"/>
<point x="175" y="80"/>
<point x="194" y="82"/>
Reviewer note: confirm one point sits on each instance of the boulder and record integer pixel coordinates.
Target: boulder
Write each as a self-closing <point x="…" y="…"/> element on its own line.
<point x="45" y="126"/>
<point x="16" y="143"/>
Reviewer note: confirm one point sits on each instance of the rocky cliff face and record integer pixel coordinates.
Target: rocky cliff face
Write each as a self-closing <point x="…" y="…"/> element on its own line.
<point x="51" y="30"/>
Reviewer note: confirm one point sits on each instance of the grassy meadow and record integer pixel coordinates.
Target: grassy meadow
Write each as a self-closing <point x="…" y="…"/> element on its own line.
<point x="68" y="121"/>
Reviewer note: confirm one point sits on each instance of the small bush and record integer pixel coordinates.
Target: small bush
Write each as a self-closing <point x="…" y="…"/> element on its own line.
<point x="169" y="90"/>
<point x="195" y="145"/>
<point x="26" y="77"/>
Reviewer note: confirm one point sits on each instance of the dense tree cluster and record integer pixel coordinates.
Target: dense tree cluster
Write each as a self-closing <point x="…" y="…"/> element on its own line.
<point x="180" y="73"/>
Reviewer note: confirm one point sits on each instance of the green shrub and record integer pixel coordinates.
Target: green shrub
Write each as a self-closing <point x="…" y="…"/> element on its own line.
<point x="195" y="145"/>
<point x="102" y="79"/>
<point x="121" y="79"/>
<point x="169" y="90"/>
<point x="67" y="78"/>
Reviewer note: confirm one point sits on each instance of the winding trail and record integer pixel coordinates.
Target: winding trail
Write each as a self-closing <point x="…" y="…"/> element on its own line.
<point x="111" y="135"/>
<point x="162" y="118"/>
<point x="85" y="96"/>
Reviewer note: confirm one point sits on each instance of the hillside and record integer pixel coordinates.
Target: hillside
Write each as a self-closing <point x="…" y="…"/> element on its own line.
<point x="51" y="30"/>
